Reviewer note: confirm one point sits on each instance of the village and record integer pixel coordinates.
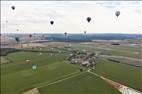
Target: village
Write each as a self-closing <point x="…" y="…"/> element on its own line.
<point x="84" y="59"/>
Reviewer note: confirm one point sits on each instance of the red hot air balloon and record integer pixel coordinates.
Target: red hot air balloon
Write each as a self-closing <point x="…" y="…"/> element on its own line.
<point x="51" y="22"/>
<point x="88" y="19"/>
<point x="117" y="13"/>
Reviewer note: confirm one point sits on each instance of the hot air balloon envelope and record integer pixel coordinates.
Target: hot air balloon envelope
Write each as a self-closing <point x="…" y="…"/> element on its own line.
<point x="51" y="22"/>
<point x="84" y="32"/>
<point x="17" y="29"/>
<point x="30" y="35"/>
<point x="13" y="7"/>
<point x="88" y="19"/>
<point x="117" y="13"/>
<point x="65" y="33"/>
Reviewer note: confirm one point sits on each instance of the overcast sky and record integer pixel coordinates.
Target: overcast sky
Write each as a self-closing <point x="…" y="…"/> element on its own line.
<point x="70" y="16"/>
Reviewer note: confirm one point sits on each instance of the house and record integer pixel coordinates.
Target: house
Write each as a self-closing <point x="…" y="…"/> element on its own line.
<point x="76" y="61"/>
<point x="85" y="63"/>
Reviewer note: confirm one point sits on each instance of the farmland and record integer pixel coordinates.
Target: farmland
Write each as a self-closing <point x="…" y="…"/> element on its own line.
<point x="60" y="47"/>
<point x="82" y="84"/>
<point x="124" y="74"/>
<point x="17" y="76"/>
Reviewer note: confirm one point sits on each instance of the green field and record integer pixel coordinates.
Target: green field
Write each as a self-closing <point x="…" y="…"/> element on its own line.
<point x="125" y="74"/>
<point x="119" y="50"/>
<point x="18" y="76"/>
<point x="4" y="60"/>
<point x="82" y="84"/>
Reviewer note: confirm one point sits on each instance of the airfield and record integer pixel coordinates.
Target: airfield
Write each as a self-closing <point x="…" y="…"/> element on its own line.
<point x="54" y="74"/>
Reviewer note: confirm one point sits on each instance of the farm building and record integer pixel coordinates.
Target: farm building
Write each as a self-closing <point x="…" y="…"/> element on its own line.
<point x="76" y="61"/>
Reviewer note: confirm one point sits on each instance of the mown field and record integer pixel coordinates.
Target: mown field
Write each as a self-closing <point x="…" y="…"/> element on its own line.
<point x="18" y="76"/>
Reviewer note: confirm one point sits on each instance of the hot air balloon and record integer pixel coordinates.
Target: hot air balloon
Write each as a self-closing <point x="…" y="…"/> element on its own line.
<point x="65" y="33"/>
<point x="17" y="29"/>
<point x="6" y="21"/>
<point x="65" y="36"/>
<point x="51" y="22"/>
<point x="17" y="39"/>
<point x="30" y="35"/>
<point x="13" y="7"/>
<point x="88" y="19"/>
<point x="85" y="32"/>
<point x="117" y="13"/>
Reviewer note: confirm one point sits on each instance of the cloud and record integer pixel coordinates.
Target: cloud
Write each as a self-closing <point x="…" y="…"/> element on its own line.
<point x="70" y="16"/>
<point x="110" y="4"/>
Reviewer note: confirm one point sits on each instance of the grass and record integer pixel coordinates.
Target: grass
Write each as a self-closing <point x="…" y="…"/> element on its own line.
<point x="85" y="83"/>
<point x="125" y="74"/>
<point x="119" y="50"/>
<point x="19" y="59"/>
<point x="18" y="76"/>
<point x="126" y="53"/>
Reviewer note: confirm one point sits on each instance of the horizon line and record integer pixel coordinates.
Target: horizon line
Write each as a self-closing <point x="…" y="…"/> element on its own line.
<point x="74" y="33"/>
